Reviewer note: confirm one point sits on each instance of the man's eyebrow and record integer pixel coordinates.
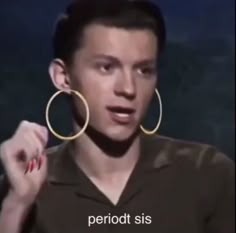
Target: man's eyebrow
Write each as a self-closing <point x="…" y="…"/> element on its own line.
<point x="106" y="57"/>
<point x="146" y="62"/>
<point x="141" y="62"/>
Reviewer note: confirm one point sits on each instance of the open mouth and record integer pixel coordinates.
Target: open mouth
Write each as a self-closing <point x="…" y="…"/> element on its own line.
<point x="121" y="114"/>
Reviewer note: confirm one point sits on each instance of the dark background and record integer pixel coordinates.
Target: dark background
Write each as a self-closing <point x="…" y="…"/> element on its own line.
<point x="196" y="74"/>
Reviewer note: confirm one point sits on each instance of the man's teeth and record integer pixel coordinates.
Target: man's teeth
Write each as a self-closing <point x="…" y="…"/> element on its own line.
<point x="122" y="114"/>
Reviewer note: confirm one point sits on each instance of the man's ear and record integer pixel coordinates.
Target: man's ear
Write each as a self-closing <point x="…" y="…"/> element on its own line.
<point x="59" y="75"/>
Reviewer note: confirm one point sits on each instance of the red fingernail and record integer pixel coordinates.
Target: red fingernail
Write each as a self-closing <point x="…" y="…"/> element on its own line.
<point x="40" y="161"/>
<point x="32" y="166"/>
<point x="27" y="167"/>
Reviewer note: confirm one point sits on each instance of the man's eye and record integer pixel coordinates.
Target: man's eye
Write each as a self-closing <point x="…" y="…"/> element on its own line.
<point x="147" y="71"/>
<point x="105" y="68"/>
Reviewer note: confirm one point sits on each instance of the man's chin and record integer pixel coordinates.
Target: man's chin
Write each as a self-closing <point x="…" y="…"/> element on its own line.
<point x="120" y="136"/>
<point x="111" y="134"/>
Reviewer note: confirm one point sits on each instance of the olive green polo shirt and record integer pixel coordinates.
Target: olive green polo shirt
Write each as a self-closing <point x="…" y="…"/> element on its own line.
<point x="176" y="187"/>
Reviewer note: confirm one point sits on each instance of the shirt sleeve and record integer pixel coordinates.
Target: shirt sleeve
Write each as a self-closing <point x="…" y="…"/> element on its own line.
<point x="222" y="218"/>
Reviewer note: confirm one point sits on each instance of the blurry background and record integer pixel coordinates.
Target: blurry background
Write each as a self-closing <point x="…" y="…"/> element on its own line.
<point x="196" y="74"/>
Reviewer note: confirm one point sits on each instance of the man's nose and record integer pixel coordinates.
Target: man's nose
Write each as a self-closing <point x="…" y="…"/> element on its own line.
<point x="126" y="85"/>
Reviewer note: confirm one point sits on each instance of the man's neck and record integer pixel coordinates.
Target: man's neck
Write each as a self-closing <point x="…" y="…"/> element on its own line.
<point x="95" y="162"/>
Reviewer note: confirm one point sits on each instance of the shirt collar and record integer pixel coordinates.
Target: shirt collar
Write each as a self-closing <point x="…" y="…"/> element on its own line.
<point x="155" y="152"/>
<point x="62" y="168"/>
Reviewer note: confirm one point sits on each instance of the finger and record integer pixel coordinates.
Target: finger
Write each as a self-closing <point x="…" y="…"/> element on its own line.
<point x="28" y="165"/>
<point x="44" y="163"/>
<point x="41" y="133"/>
<point x="30" y="151"/>
<point x="35" y="163"/>
<point x="32" y="164"/>
<point x="33" y="146"/>
<point x="40" y="172"/>
<point x="40" y="161"/>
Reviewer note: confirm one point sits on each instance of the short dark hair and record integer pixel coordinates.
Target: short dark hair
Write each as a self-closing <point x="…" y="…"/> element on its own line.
<point x="128" y="14"/>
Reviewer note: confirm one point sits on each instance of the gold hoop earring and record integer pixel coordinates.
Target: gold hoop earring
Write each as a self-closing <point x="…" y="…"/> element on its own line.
<point x="86" y="121"/>
<point x="159" y="120"/>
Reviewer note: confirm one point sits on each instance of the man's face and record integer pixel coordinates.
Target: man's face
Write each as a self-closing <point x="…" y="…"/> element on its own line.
<point x="115" y="70"/>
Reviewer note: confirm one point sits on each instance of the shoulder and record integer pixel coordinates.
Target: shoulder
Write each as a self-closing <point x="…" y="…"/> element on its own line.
<point x="54" y="153"/>
<point x="54" y="150"/>
<point x="211" y="171"/>
<point x="58" y="158"/>
<point x="200" y="156"/>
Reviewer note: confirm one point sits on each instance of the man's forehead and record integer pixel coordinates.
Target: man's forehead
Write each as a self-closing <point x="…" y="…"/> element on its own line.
<point x="107" y="37"/>
<point x="97" y="27"/>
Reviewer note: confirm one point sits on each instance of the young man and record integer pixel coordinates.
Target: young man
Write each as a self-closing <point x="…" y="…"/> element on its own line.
<point x="112" y="178"/>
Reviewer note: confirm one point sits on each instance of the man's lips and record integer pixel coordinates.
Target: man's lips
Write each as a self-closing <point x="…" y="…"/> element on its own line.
<point x="121" y="109"/>
<point x="121" y="114"/>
